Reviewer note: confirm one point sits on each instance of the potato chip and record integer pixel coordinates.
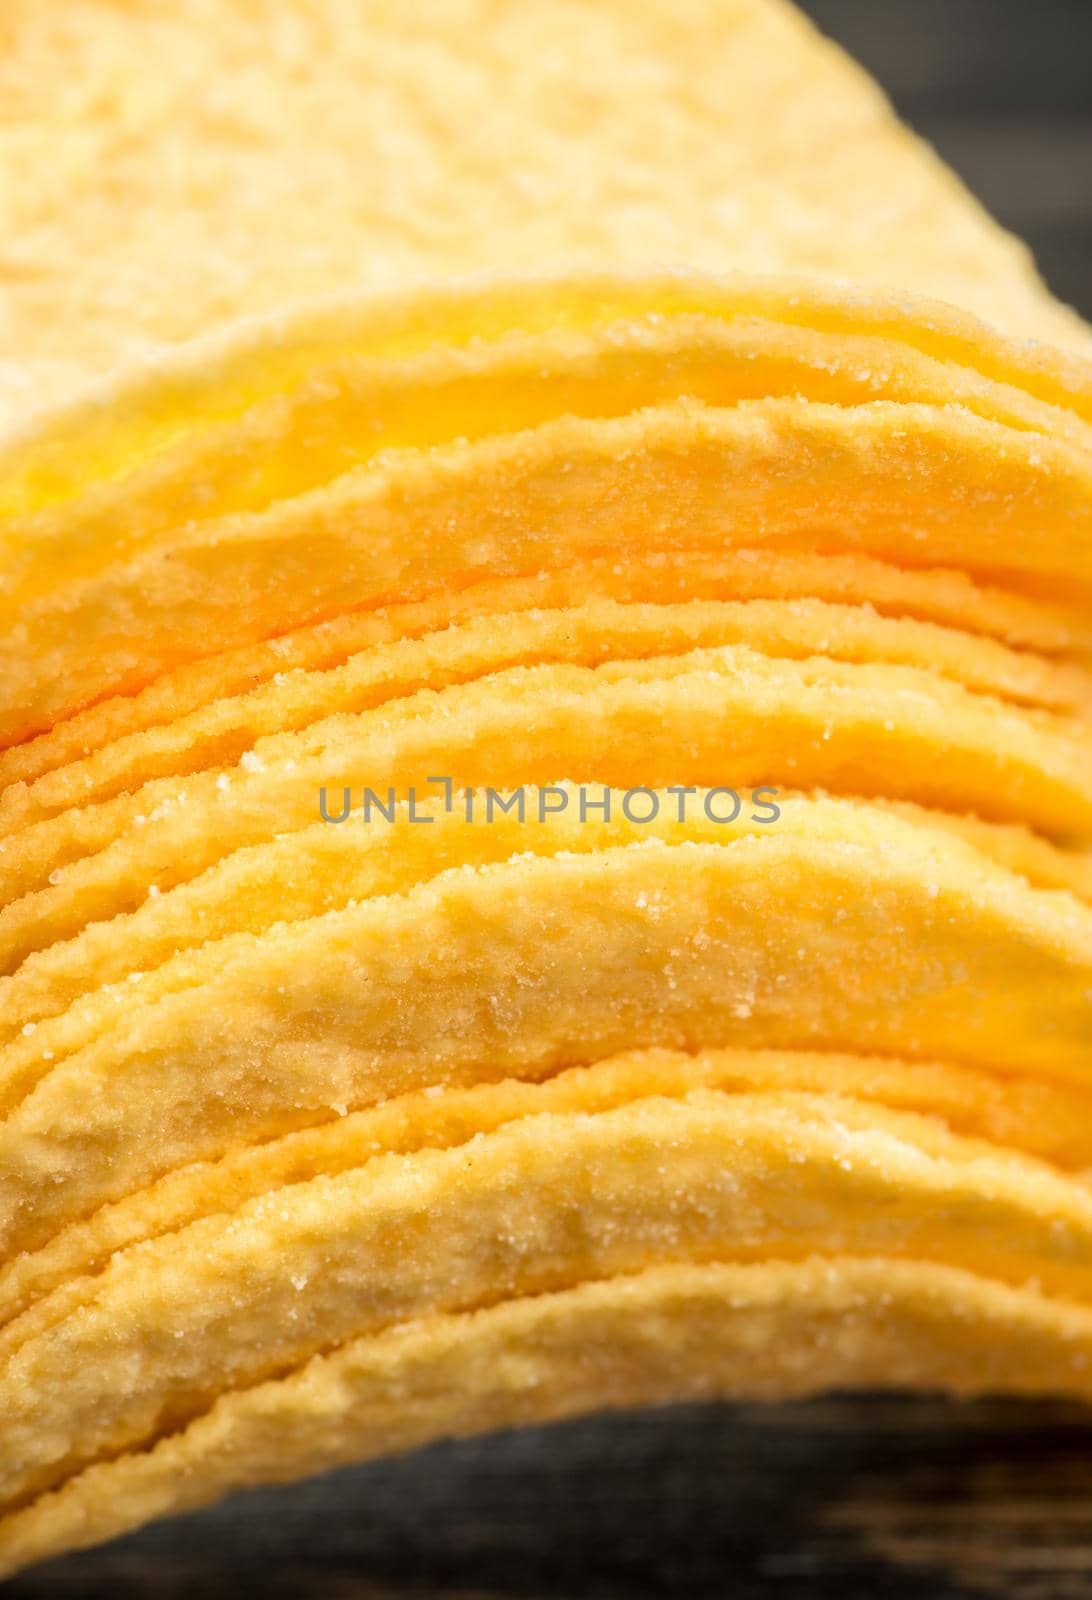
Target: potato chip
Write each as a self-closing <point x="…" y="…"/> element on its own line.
<point x="770" y="1330"/>
<point x="916" y="484"/>
<point x="1039" y="1118"/>
<point x="766" y="942"/>
<point x="945" y="597"/>
<point x="723" y="714"/>
<point x="350" y="408"/>
<point x="599" y="413"/>
<point x="537" y="1206"/>
<point x="725" y="136"/>
<point x="293" y="383"/>
<point x="322" y="868"/>
<point x="220" y="734"/>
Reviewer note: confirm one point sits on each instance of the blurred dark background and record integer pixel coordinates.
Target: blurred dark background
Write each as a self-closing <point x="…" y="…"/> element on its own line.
<point x="1003" y="89"/>
<point x="854" y="1498"/>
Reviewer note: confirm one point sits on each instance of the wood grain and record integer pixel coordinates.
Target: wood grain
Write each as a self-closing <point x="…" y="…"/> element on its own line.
<point x="884" y="1498"/>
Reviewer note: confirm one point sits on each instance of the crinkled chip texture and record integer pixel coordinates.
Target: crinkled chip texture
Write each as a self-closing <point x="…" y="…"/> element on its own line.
<point x="599" y="433"/>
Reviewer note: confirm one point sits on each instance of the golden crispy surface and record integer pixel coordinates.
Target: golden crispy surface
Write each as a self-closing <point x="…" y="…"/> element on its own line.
<point x="569" y="397"/>
<point x="297" y="150"/>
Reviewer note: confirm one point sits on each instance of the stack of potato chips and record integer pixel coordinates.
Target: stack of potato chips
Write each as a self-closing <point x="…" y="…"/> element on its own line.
<point x="591" y="449"/>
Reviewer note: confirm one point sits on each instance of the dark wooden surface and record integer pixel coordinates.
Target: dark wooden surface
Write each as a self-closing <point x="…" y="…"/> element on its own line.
<point x="860" y="1499"/>
<point x="840" y="1499"/>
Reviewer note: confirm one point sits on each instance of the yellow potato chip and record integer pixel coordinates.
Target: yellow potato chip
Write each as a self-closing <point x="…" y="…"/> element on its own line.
<point x="219" y="734"/>
<point x="764" y="942"/>
<point x="536" y="1206"/>
<point x="1039" y="1118"/>
<point x="719" y="715"/>
<point x="323" y="868"/>
<point x="545" y="394"/>
<point x="756" y="1331"/>
<point x="721" y="136"/>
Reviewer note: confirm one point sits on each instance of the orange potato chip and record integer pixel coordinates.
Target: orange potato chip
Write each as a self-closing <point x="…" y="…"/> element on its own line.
<point x="919" y="485"/>
<point x="942" y="596"/>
